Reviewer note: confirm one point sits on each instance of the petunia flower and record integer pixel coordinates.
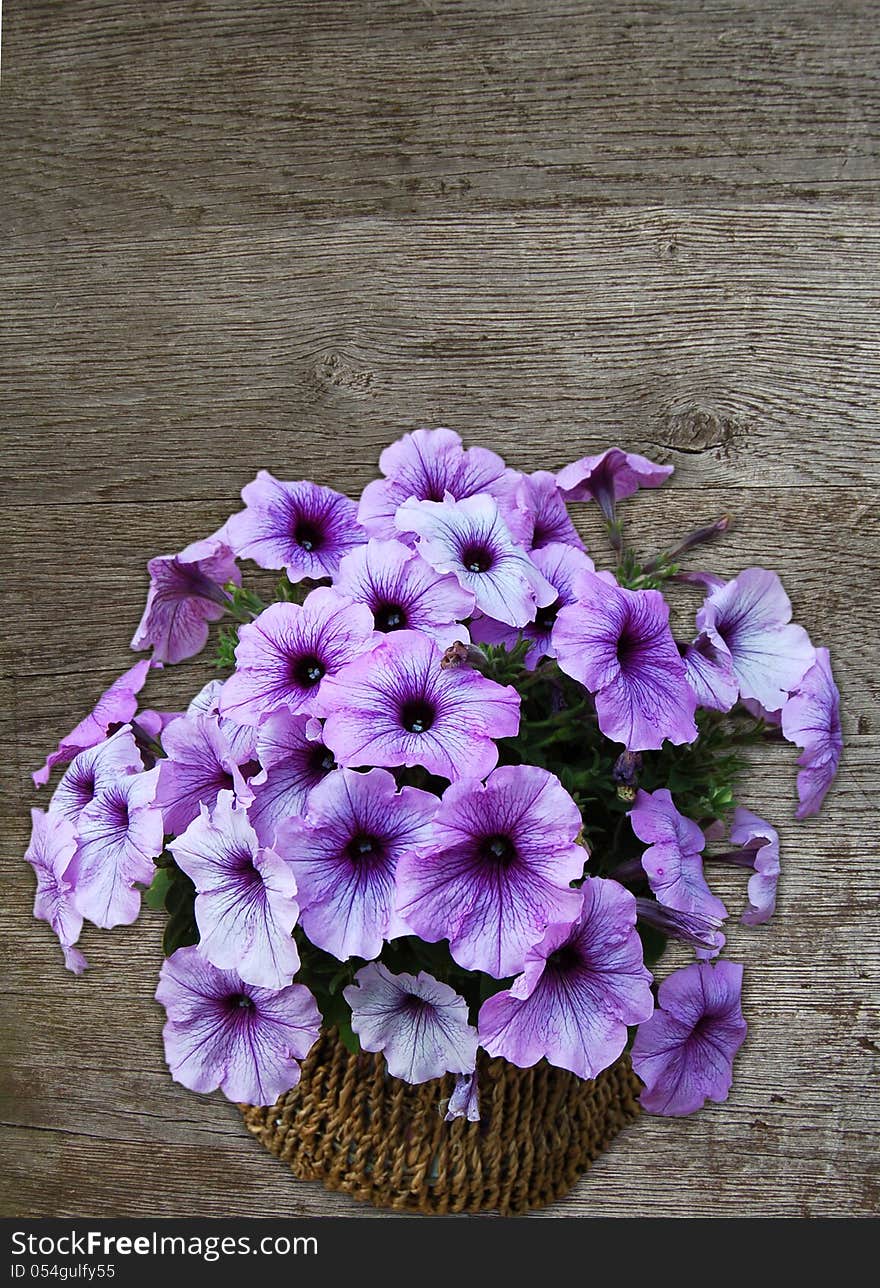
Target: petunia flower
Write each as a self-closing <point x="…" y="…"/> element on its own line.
<point x="245" y="896"/>
<point x="92" y="771"/>
<point x="709" y="671"/>
<point x="396" y="706"/>
<point x="186" y="594"/>
<point x="115" y="706"/>
<point x="403" y="592"/>
<point x="294" y="760"/>
<point x="345" y="852"/>
<point x="499" y="868"/>
<point x="811" y="720"/>
<point x="684" y="1052"/>
<point x="561" y="565"/>
<point x="760" y="851"/>
<point x="537" y="516"/>
<point x="242" y="739"/>
<point x="427" y="464"/>
<point x="300" y="527"/>
<point x="701" y="930"/>
<point x="199" y="764"/>
<point x="609" y="477"/>
<point x="750" y="618"/>
<point x="673" y="860"/>
<point x="51" y="853"/>
<point x="418" y="1023"/>
<point x="470" y="540"/>
<point x="580" y="988"/>
<point x="222" y="1032"/>
<point x="285" y="656"/>
<point x="120" y="833"/>
<point x="618" y="644"/>
<point x="465" y="1099"/>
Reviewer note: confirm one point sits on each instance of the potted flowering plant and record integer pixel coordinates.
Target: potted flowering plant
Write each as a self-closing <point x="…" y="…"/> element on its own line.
<point x="423" y="841"/>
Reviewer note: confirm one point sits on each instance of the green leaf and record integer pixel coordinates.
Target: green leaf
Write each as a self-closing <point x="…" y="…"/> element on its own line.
<point x="158" y="890"/>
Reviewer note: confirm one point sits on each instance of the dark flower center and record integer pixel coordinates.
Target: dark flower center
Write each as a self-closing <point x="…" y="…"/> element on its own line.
<point x="498" y="850"/>
<point x="321" y="759"/>
<point x="308" y="670"/>
<point x="564" y="960"/>
<point x="240" y="1002"/>
<point x="308" y="536"/>
<point x="117" y="810"/>
<point x="415" y="1005"/>
<point x="417" y="715"/>
<point x="545" y="618"/>
<point x="477" y="558"/>
<point x="628" y="648"/>
<point x="390" y="617"/>
<point x="365" y="850"/>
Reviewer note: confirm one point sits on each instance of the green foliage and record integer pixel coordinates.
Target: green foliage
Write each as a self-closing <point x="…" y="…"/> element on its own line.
<point x="172" y="890"/>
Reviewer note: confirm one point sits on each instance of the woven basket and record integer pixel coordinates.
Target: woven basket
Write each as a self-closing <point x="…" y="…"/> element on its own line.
<point x="354" y="1128"/>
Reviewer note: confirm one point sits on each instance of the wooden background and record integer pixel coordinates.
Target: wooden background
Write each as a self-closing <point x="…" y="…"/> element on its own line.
<point x="279" y="234"/>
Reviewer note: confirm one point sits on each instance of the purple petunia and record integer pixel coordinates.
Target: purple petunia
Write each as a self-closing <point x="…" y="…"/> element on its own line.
<point x="245" y="896"/>
<point x="609" y="477"/>
<point x="673" y="860"/>
<point x="120" y="833"/>
<point x="498" y="870"/>
<point x="684" y="1052"/>
<point x="709" y="672"/>
<point x="618" y="644"/>
<point x="811" y="720"/>
<point x="198" y="765"/>
<point x="465" y="1099"/>
<point x="344" y="854"/>
<point x="300" y="527"/>
<point x="396" y="706"/>
<point x="538" y="516"/>
<point x="418" y="1023"/>
<point x="294" y="759"/>
<point x="561" y="565"/>
<point x="760" y="844"/>
<point x="403" y="592"/>
<point x="580" y="988"/>
<point x="241" y="739"/>
<point x="222" y="1032"/>
<point x="286" y="655"/>
<point x="426" y="465"/>
<point x="750" y="619"/>
<point x="186" y="594"/>
<point x="92" y="771"/>
<point x="115" y="706"/>
<point x="470" y="540"/>
<point x="51" y="853"/>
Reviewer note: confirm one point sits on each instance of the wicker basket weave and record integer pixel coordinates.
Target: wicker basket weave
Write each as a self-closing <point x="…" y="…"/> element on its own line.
<point x="354" y="1128"/>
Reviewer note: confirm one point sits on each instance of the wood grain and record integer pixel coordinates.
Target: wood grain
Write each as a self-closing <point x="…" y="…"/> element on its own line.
<point x="278" y="235"/>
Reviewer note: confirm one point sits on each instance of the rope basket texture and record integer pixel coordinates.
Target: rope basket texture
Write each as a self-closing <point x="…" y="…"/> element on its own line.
<point x="354" y="1128"/>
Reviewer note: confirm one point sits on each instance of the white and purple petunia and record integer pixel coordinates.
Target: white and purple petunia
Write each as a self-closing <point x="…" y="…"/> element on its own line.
<point x="750" y="619"/>
<point x="673" y="859"/>
<point x="537" y="514"/>
<point x="223" y="1032"/>
<point x="52" y="855"/>
<point x="294" y="760"/>
<point x="186" y="594"/>
<point x="285" y="656"/>
<point x="116" y="706"/>
<point x="498" y="870"/>
<point x="465" y="1099"/>
<point x="759" y="844"/>
<point x="403" y="592"/>
<point x="418" y="1023"/>
<point x="300" y="527"/>
<point x="246" y="905"/>
<point x="242" y="739"/>
<point x="344" y="853"/>
<point x="427" y="464"/>
<point x="811" y="720"/>
<point x="93" y="770"/>
<point x="580" y="988"/>
<point x="609" y="477"/>
<point x="120" y="833"/>
<point x="396" y="706"/>
<point x="709" y="671"/>
<point x="561" y="565"/>
<point x="684" y="1052"/>
<point x="470" y="540"/>
<point x="199" y="764"/>
<point x="618" y="644"/>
